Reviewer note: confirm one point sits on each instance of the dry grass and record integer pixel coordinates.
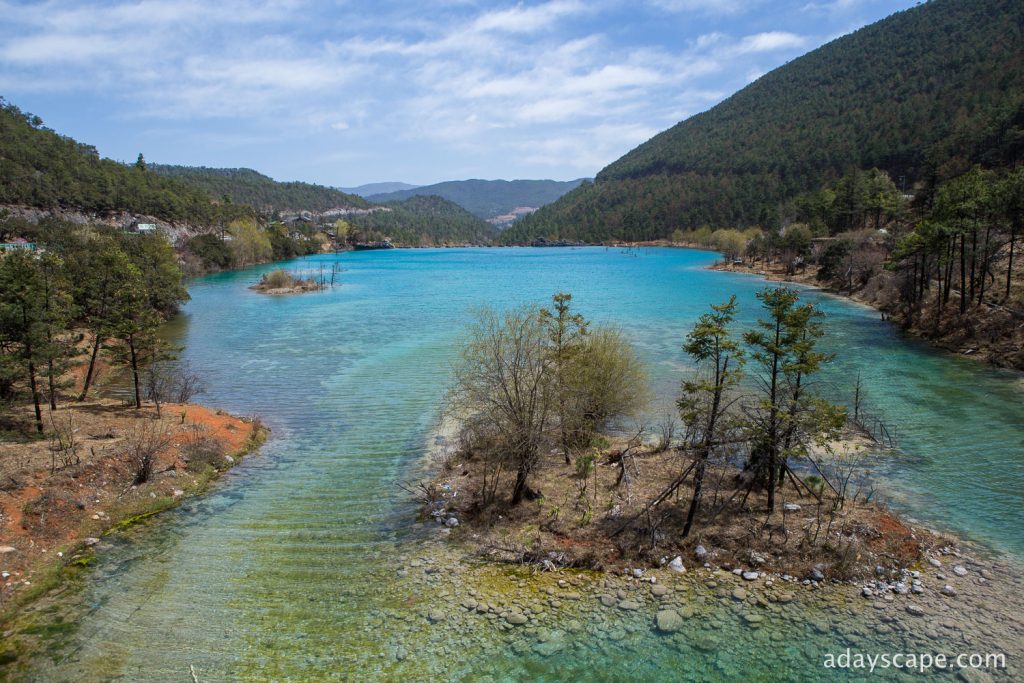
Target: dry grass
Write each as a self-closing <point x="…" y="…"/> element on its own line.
<point x="281" y="281"/>
<point x="585" y="518"/>
<point x="50" y="501"/>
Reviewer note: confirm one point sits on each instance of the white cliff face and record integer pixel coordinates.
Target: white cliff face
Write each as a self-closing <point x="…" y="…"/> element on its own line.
<point x="176" y="233"/>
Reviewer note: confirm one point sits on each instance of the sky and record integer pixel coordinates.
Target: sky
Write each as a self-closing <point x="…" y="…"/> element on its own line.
<point x="350" y="92"/>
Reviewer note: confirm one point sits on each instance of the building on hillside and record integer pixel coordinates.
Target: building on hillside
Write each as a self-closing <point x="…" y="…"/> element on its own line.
<point x="18" y="243"/>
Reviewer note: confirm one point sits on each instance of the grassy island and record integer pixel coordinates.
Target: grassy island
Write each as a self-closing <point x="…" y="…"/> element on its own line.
<point x="280" y="281"/>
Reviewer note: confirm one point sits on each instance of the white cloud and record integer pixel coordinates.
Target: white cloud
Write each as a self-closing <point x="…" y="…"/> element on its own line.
<point x="524" y="19"/>
<point x="557" y="83"/>
<point x="768" y="42"/>
<point x="704" y="6"/>
<point x="56" y="48"/>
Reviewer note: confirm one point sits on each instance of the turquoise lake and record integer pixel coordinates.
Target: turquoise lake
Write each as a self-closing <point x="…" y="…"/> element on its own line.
<point x="286" y="570"/>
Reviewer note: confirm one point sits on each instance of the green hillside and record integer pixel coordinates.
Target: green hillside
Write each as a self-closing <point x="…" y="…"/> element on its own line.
<point x="920" y="95"/>
<point x="246" y="186"/>
<point x="41" y="168"/>
<point x="489" y="198"/>
<point x="424" y="220"/>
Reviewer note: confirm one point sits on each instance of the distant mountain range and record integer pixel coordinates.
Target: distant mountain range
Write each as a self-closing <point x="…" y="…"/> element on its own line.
<point x="489" y="199"/>
<point x="377" y="188"/>
<point x="921" y="95"/>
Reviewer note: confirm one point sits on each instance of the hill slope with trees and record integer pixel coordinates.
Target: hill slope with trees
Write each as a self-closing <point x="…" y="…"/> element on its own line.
<point x="489" y="198"/>
<point x="921" y="95"/>
<point x="246" y="186"/>
<point x="424" y="221"/>
<point x="40" y="168"/>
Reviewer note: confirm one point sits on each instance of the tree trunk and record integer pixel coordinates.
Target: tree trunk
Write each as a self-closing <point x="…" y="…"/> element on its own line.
<point x="52" y="383"/>
<point x="35" y="392"/>
<point x="984" y="266"/>
<point x="1009" y="266"/>
<point x="698" y="485"/>
<point x="92" y="366"/>
<point x="974" y="260"/>
<point x="135" y="371"/>
<point x="520" y="488"/>
<point x="771" y="479"/>
<point x="963" y="273"/>
<point x="923" y="285"/>
<point x="950" y="253"/>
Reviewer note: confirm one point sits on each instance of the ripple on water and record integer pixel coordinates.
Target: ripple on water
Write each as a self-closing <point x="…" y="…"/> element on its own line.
<point x="288" y="569"/>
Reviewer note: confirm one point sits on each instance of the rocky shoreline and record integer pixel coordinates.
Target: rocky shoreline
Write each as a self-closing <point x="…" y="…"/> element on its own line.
<point x="955" y="600"/>
<point x="974" y="344"/>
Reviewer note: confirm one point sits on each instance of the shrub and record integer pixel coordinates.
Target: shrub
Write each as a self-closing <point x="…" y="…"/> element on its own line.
<point x="278" y="279"/>
<point x="202" y="451"/>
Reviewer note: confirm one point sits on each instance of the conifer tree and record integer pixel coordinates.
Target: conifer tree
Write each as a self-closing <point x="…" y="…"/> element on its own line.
<point x="705" y="403"/>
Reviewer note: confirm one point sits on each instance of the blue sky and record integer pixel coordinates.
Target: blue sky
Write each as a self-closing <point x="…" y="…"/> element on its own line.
<point x="345" y="93"/>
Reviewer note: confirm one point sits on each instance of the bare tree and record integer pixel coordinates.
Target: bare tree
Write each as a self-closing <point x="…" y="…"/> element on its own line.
<point x="169" y="382"/>
<point x="665" y="428"/>
<point x="500" y="376"/>
<point x="516" y="375"/>
<point x="143" y="445"/>
<point x="63" y="444"/>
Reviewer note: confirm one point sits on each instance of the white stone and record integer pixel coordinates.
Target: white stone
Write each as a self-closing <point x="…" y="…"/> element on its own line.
<point x="676" y="565"/>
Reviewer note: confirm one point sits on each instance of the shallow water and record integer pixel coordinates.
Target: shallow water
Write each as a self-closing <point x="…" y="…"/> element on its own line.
<point x="287" y="570"/>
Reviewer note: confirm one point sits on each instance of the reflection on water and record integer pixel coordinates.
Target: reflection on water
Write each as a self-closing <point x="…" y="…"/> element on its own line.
<point x="289" y="568"/>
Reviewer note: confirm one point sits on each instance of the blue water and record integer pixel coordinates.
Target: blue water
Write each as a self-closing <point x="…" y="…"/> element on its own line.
<point x="280" y="573"/>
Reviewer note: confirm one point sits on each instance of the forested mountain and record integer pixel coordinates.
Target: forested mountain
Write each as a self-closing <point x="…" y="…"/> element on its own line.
<point x="41" y="168"/>
<point x="424" y="220"/>
<point x="489" y="198"/>
<point x="377" y="188"/>
<point x="921" y="95"/>
<point x="246" y="186"/>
